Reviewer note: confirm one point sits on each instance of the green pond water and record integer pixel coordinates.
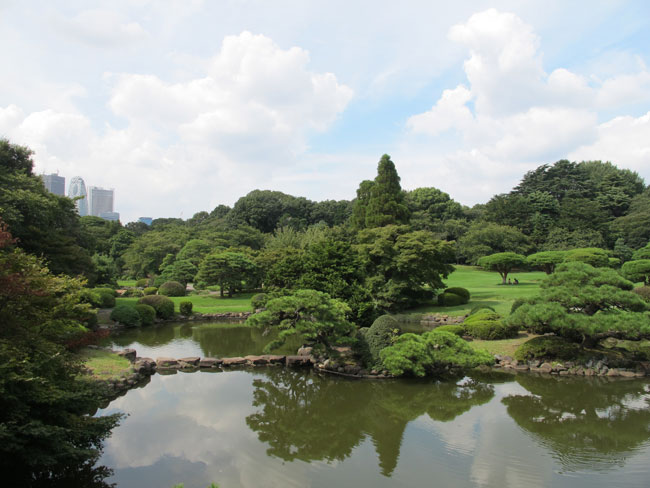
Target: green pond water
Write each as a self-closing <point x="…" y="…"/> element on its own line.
<point x="275" y="427"/>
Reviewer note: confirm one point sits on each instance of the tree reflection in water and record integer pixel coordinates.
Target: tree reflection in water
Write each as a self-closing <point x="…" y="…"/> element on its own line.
<point x="306" y="417"/>
<point x="594" y="423"/>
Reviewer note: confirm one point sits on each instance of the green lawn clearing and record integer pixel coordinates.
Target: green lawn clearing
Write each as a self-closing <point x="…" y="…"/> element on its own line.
<point x="105" y="365"/>
<point x="126" y="283"/>
<point x="505" y="347"/>
<point x="486" y="289"/>
<point x="207" y="303"/>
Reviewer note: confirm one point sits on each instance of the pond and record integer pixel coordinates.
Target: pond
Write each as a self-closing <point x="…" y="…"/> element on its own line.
<point x="272" y="427"/>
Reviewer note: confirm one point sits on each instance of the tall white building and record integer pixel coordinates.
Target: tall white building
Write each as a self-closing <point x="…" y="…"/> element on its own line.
<point x="54" y="183"/>
<point x="76" y="189"/>
<point x="100" y="201"/>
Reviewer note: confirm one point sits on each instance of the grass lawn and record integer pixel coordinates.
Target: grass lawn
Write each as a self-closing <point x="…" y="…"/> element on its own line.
<point x="505" y="347"/>
<point x="486" y="289"/>
<point x="105" y="364"/>
<point x="126" y="283"/>
<point x="207" y="303"/>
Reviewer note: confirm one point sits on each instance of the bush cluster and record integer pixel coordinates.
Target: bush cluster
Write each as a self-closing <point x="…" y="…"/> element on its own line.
<point x="549" y="347"/>
<point x="99" y="297"/>
<point x="481" y="307"/>
<point x="147" y="313"/>
<point x="163" y="305"/>
<point x="458" y="330"/>
<point x="150" y="290"/>
<point x="172" y="289"/>
<point x="142" y="283"/>
<point x="379" y="335"/>
<point x="126" y="315"/>
<point x="487" y="325"/>
<point x="185" y="307"/>
<point x="259" y="301"/>
<point x="461" y="292"/>
<point x="133" y="292"/>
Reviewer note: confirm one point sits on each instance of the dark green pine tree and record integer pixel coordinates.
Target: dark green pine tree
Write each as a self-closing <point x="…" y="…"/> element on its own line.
<point x="385" y="203"/>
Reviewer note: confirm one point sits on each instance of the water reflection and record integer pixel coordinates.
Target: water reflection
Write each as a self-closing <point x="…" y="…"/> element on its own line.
<point x="311" y="418"/>
<point x="584" y="423"/>
<point x="214" y="339"/>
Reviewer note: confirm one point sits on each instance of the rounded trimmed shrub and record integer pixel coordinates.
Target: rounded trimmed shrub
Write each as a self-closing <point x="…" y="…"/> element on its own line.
<point x="133" y="292"/>
<point x="450" y="299"/>
<point x="458" y="330"/>
<point x="380" y="335"/>
<point x="551" y="347"/>
<point x="172" y="289"/>
<point x="147" y="313"/>
<point x="142" y="283"/>
<point x="106" y="297"/>
<point x="163" y="305"/>
<point x="259" y="301"/>
<point x="185" y="308"/>
<point x="462" y="292"/>
<point x="158" y="281"/>
<point x="481" y="307"/>
<point x="150" y="290"/>
<point x="126" y="315"/>
<point x="487" y="325"/>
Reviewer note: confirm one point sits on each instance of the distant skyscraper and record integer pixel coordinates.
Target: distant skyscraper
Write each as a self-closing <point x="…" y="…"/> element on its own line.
<point x="76" y="189"/>
<point x="146" y="220"/>
<point x="54" y="183"/>
<point x="100" y="201"/>
<point x="110" y="216"/>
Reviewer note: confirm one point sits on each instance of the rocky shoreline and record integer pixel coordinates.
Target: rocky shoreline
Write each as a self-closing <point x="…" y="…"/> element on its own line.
<point x="593" y="367"/>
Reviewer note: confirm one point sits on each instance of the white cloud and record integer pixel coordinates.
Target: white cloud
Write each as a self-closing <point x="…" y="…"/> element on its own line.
<point x="191" y="144"/>
<point x="103" y="27"/>
<point x="513" y="116"/>
<point x="623" y="141"/>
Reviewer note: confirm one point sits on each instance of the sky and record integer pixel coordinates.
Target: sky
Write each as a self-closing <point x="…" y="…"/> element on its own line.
<point x="182" y="105"/>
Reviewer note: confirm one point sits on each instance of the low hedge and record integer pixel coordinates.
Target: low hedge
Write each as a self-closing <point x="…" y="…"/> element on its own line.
<point x="480" y="307"/>
<point x="547" y="347"/>
<point x="163" y="305"/>
<point x="126" y="315"/>
<point x="147" y="313"/>
<point x="133" y="292"/>
<point x="150" y="290"/>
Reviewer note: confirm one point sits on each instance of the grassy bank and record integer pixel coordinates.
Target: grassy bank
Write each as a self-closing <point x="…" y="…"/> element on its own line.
<point x="207" y="303"/>
<point x="486" y="289"/>
<point x="105" y="365"/>
<point x="505" y="347"/>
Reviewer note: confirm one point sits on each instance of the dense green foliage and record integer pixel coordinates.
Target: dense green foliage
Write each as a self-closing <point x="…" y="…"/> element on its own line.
<point x="431" y="353"/>
<point x="229" y="270"/>
<point x="503" y="263"/>
<point x="147" y="313"/>
<point x="545" y="260"/>
<point x="585" y="304"/>
<point x="447" y="299"/>
<point x="637" y="271"/>
<point x="547" y="347"/>
<point x="47" y="434"/>
<point x="185" y="308"/>
<point x="259" y="301"/>
<point x="150" y="290"/>
<point x="403" y="268"/>
<point x="485" y="238"/>
<point x="318" y="318"/>
<point x="460" y="291"/>
<point x="380" y="334"/>
<point x="458" y="330"/>
<point x="126" y="315"/>
<point x="44" y="224"/>
<point x="172" y="289"/>
<point x="163" y="306"/>
<point x="487" y="325"/>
